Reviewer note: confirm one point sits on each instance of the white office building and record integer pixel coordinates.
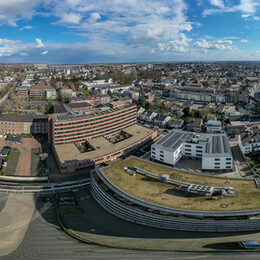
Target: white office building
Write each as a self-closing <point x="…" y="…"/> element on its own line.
<point x="212" y="149"/>
<point x="249" y="143"/>
<point x="214" y="126"/>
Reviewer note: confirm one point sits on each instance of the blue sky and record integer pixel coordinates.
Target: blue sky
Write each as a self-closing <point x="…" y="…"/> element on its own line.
<point x="108" y="31"/>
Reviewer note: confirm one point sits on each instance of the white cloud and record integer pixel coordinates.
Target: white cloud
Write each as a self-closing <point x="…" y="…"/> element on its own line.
<point x="94" y="17"/>
<point x="137" y="21"/>
<point x="244" y="40"/>
<point x="216" y="45"/>
<point x="10" y="47"/>
<point x="26" y="27"/>
<point x="44" y="52"/>
<point x="177" y="46"/>
<point x="256" y="54"/>
<point x="70" y="18"/>
<point x="218" y="3"/>
<point x="134" y="22"/>
<point x="38" y="43"/>
<point x="13" y="10"/>
<point x="232" y="37"/>
<point x="247" y="8"/>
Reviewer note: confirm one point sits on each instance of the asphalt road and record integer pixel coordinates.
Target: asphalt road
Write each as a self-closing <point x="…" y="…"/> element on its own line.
<point x="6" y="96"/>
<point x="45" y="240"/>
<point x="3" y="199"/>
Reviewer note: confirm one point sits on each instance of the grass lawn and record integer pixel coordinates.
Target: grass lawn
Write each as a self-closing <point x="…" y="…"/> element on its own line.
<point x="12" y="162"/>
<point x="247" y="194"/>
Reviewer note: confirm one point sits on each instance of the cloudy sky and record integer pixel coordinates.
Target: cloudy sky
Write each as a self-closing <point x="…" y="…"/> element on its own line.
<point x="107" y="31"/>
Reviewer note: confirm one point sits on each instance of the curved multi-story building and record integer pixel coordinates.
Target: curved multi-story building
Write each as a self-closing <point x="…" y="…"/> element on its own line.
<point x="69" y="128"/>
<point x="99" y="135"/>
<point x="147" y="202"/>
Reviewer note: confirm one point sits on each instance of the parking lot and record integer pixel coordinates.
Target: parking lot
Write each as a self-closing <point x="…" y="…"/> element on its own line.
<point x="19" y="162"/>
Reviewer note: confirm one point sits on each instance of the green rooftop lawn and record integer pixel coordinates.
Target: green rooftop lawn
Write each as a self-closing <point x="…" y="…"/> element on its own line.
<point x="247" y="194"/>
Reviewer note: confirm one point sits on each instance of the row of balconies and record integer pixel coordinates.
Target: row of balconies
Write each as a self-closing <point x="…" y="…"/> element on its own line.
<point x="91" y="127"/>
<point x="78" y="138"/>
<point x="89" y="120"/>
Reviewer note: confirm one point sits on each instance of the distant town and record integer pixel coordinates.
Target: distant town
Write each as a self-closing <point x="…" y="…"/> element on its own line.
<point x="101" y="112"/>
<point x="120" y="155"/>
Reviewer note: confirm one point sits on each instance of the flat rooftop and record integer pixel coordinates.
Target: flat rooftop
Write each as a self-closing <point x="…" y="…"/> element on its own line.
<point x="69" y="152"/>
<point x="21" y="118"/>
<point x="215" y="144"/>
<point x="248" y="139"/>
<point x="247" y="195"/>
<point x="93" y="112"/>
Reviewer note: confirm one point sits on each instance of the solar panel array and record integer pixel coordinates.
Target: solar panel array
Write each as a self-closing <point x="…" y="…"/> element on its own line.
<point x="182" y="139"/>
<point x="177" y="144"/>
<point x="166" y="137"/>
<point x="189" y="138"/>
<point x="219" y="149"/>
<point x="207" y="148"/>
<point x="216" y="144"/>
<point x="95" y="112"/>
<point x="172" y="140"/>
<point x="214" y="147"/>
<point x="225" y="144"/>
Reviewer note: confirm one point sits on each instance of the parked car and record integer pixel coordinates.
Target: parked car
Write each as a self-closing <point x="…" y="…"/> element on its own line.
<point x="250" y="244"/>
<point x="68" y="203"/>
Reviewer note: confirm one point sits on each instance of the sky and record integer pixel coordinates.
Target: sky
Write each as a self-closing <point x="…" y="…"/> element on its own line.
<point x="112" y="31"/>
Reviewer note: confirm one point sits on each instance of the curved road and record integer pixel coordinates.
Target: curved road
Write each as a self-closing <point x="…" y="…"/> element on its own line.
<point x="45" y="240"/>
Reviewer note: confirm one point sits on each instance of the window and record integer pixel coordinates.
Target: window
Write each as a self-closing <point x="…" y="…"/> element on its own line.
<point x="228" y="159"/>
<point x="217" y="163"/>
<point x="217" y="159"/>
<point x="187" y="145"/>
<point x="199" y="147"/>
<point x="217" y="167"/>
<point x="228" y="162"/>
<point x="198" y="151"/>
<point x="189" y="150"/>
<point x="153" y="148"/>
<point x="161" y="151"/>
<point x="228" y="167"/>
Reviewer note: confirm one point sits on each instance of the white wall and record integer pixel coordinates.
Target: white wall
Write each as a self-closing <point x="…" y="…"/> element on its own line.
<point x="211" y="163"/>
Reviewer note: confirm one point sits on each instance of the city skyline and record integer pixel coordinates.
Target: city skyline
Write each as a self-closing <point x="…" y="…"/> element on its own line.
<point x="102" y="31"/>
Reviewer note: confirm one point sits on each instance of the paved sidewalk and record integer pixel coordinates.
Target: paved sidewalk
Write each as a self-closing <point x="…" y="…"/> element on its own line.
<point x="24" y="164"/>
<point x="98" y="226"/>
<point x="15" y="217"/>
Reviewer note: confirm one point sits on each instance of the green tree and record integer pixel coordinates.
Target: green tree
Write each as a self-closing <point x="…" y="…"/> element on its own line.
<point x="196" y="113"/>
<point x="110" y="93"/>
<point x="49" y="108"/>
<point x="141" y="101"/>
<point x="257" y="109"/>
<point x="186" y="111"/>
